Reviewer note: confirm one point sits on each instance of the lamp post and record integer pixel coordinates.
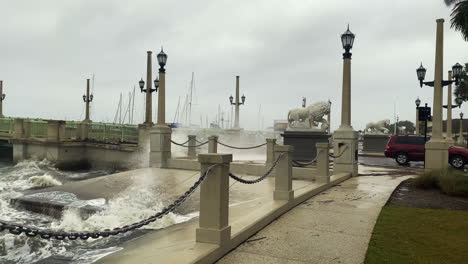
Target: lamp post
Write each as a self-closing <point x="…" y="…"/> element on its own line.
<point x="347" y="40"/>
<point x="460" y="137"/>
<point x="148" y="90"/>
<point x="417" y="102"/>
<point x="237" y="104"/>
<point x="87" y="98"/>
<point x="449" y="106"/>
<point x="303" y="102"/>
<point x="160" y="135"/>
<point x="345" y="139"/>
<point x="2" y="98"/>
<point x="437" y="148"/>
<point x="162" y="60"/>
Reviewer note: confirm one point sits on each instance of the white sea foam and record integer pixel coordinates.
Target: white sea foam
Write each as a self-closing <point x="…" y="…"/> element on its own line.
<point x="44" y="181"/>
<point x="136" y="203"/>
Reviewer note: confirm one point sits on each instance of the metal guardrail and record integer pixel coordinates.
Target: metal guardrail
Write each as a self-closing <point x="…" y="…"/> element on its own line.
<point x="7" y="125"/>
<point x="38" y="128"/>
<point x="113" y="133"/>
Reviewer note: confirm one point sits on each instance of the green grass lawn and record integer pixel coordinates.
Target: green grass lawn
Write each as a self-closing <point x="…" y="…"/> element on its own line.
<point x="425" y="236"/>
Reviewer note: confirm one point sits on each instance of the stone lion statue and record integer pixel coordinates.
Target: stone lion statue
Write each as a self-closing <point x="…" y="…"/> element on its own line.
<point x="378" y="127"/>
<point x="310" y="116"/>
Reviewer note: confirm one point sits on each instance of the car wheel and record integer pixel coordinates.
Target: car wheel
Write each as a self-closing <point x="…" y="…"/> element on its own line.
<point x="402" y="158"/>
<point x="457" y="162"/>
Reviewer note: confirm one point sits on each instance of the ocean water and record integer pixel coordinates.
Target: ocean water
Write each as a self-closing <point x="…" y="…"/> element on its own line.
<point x="131" y="206"/>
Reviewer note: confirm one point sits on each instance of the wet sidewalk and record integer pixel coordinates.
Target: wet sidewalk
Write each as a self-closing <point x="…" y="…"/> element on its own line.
<point x="332" y="227"/>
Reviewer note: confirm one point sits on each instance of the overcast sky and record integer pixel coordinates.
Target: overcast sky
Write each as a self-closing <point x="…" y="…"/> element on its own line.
<point x="282" y="50"/>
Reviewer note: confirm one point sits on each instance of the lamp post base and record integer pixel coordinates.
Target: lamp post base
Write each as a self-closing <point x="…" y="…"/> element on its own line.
<point x="345" y="146"/>
<point x="436" y="156"/>
<point x="160" y="145"/>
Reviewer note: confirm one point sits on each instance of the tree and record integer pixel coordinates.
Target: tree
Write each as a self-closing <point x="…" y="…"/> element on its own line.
<point x="461" y="90"/>
<point x="459" y="15"/>
<point x="405" y="127"/>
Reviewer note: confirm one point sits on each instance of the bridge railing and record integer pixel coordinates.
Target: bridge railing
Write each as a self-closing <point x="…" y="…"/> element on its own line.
<point x="7" y="125"/>
<point x="71" y="130"/>
<point x="113" y="133"/>
<point x="38" y="128"/>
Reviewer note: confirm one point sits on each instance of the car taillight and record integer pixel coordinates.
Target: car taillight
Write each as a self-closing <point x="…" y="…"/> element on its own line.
<point x="387" y="147"/>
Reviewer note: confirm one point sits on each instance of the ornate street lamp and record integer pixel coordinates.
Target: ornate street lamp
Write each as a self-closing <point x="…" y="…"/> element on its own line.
<point x="456" y="69"/>
<point x="3" y="96"/>
<point x="142" y="85"/>
<point x="162" y="59"/>
<point x="461" y="115"/>
<point x="231" y="100"/>
<point x="347" y="40"/>
<point x="418" y="102"/>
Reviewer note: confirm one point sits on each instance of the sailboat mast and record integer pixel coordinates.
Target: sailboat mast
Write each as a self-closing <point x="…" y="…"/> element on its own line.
<point x="190" y="102"/>
<point x="133" y="104"/>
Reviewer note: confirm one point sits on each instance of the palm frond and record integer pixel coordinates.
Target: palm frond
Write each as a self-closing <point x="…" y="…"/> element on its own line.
<point x="461" y="90"/>
<point x="451" y="2"/>
<point x="459" y="19"/>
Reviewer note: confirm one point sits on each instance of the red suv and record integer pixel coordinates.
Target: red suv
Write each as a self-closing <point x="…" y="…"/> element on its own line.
<point x="411" y="148"/>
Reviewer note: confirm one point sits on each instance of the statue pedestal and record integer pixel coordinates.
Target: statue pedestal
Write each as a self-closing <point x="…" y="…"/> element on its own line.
<point x="304" y="143"/>
<point x="374" y="143"/>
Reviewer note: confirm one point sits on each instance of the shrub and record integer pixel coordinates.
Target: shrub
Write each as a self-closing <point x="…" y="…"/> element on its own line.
<point x="449" y="181"/>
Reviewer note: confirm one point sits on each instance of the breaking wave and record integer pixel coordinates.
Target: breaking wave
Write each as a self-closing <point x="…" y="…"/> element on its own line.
<point x="136" y="203"/>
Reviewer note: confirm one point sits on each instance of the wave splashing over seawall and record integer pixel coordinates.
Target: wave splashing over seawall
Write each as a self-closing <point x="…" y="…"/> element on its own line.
<point x="136" y="203"/>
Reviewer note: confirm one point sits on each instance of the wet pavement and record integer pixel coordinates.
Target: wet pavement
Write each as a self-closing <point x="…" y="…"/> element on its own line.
<point x="387" y="162"/>
<point x="332" y="227"/>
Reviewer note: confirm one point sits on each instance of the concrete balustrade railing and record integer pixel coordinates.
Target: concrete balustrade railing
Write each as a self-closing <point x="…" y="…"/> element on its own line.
<point x="213" y="144"/>
<point x="323" y="160"/>
<point x="270" y="151"/>
<point x="191" y="150"/>
<point x="214" y="225"/>
<point x="283" y="173"/>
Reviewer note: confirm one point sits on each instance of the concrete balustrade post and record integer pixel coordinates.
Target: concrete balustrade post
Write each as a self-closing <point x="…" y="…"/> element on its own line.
<point x="214" y="225"/>
<point x="213" y="144"/>
<point x="55" y="130"/>
<point x="323" y="162"/>
<point x="192" y="142"/>
<point x="19" y="128"/>
<point x="270" y="151"/>
<point x="83" y="130"/>
<point x="283" y="173"/>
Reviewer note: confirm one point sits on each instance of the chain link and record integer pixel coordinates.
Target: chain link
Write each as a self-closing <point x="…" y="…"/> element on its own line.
<point x="61" y="235"/>
<point x="304" y="164"/>
<point x="229" y="146"/>
<point x="239" y="179"/>
<point x="341" y="154"/>
<point x="195" y="146"/>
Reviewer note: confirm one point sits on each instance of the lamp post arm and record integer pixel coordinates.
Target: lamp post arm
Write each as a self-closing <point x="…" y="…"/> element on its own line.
<point x="444" y="83"/>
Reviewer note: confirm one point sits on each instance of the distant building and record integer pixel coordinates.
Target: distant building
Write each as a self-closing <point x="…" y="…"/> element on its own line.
<point x="455" y="127"/>
<point x="280" y="125"/>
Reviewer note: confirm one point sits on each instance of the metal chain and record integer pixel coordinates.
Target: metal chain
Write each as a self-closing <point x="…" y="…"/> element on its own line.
<point x="258" y="146"/>
<point x="303" y="164"/>
<point x="195" y="146"/>
<point x="239" y="179"/>
<point x="61" y="235"/>
<point x="341" y="154"/>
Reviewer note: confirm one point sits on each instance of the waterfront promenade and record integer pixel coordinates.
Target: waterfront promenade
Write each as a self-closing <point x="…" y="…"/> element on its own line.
<point x="332" y="227"/>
